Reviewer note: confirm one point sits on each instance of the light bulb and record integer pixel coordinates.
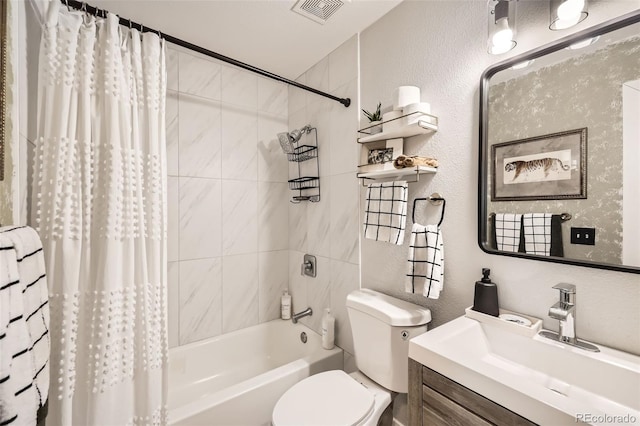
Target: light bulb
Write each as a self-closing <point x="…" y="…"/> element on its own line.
<point x="502" y="39"/>
<point x="567" y="13"/>
<point x="502" y="26"/>
<point x="570" y="10"/>
<point x="503" y="33"/>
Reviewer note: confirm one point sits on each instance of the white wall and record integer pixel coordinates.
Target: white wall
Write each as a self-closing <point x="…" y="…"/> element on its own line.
<point x="328" y="229"/>
<point x="227" y="195"/>
<point x="440" y="46"/>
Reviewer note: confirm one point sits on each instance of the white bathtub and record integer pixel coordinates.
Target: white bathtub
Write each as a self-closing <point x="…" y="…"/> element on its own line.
<point x="237" y="378"/>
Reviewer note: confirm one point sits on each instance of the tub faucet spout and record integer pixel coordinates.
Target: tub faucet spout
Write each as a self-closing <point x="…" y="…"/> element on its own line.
<point x="296" y="317"/>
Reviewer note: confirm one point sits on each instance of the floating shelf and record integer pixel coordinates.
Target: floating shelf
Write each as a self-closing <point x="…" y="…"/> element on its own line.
<point x="426" y="124"/>
<point x="398" y="173"/>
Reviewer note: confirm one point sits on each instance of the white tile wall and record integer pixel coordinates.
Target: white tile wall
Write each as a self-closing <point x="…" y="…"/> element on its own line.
<point x="343" y="65"/>
<point x="200" y="143"/>
<point x="172" y="58"/>
<point x="328" y="229"/>
<point x="273" y="216"/>
<point x="200" y="299"/>
<point x="235" y="240"/>
<point x="319" y="221"/>
<point x="345" y="222"/>
<point x="200" y="229"/>
<point x="272" y="163"/>
<point x="272" y="97"/>
<point x="171" y="117"/>
<point x="227" y="198"/>
<point x="239" y="87"/>
<point x="173" y="219"/>
<point x="239" y="291"/>
<point x="173" y="308"/>
<point x="273" y="278"/>
<point x="199" y="76"/>
<point x="239" y="214"/>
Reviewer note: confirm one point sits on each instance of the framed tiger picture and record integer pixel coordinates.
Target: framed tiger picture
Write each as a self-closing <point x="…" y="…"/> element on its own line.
<point x="549" y="167"/>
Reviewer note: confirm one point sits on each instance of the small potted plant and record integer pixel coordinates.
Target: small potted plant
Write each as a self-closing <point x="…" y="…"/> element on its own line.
<point x="375" y="119"/>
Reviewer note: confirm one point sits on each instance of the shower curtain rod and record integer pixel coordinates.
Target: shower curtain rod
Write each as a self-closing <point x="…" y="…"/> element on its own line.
<point x="78" y="5"/>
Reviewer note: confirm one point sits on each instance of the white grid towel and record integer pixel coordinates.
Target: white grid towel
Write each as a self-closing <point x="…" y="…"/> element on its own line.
<point x="537" y="233"/>
<point x="385" y="215"/>
<point x="24" y="323"/>
<point x="426" y="261"/>
<point x="507" y="227"/>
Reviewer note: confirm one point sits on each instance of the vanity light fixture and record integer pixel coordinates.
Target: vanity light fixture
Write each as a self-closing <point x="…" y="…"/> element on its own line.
<point x="567" y="13"/>
<point x="502" y="26"/>
<point x="583" y="43"/>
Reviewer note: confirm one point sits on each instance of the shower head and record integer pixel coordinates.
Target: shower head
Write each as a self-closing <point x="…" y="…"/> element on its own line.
<point x="288" y="140"/>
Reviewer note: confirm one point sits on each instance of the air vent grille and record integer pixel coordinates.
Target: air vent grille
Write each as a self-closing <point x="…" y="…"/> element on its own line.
<point x="317" y="10"/>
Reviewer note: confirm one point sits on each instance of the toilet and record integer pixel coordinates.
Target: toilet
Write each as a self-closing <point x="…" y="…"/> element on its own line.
<point x="382" y="326"/>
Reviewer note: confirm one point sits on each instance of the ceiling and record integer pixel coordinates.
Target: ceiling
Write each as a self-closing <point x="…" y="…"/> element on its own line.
<point x="263" y="33"/>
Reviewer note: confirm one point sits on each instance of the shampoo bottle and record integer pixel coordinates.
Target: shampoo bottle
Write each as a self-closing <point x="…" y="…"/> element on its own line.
<point x="285" y="305"/>
<point x="328" y="329"/>
<point x="485" y="298"/>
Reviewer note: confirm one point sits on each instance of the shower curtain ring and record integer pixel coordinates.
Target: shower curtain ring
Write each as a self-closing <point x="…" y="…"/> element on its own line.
<point x="66" y="2"/>
<point x="84" y="7"/>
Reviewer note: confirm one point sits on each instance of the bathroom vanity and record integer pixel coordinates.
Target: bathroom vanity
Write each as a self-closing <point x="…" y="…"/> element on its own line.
<point x="471" y="371"/>
<point x="435" y="400"/>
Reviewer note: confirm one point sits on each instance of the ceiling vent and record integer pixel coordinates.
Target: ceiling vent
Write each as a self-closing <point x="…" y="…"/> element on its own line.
<point x="317" y="10"/>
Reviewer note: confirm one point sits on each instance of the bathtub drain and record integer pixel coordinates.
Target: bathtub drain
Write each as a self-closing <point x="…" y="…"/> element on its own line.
<point x="303" y="337"/>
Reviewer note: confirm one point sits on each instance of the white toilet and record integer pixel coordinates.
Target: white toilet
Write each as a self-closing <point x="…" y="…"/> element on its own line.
<point x="382" y="326"/>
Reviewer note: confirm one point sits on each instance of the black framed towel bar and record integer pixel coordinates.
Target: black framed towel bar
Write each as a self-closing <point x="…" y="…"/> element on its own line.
<point x="435" y="199"/>
<point x="563" y="216"/>
<point x="79" y="5"/>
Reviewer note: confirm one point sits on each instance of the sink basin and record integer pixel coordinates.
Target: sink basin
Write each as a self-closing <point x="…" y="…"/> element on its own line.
<point x="545" y="381"/>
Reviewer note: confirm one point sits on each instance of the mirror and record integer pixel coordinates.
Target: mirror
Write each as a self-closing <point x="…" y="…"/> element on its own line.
<point x="3" y="80"/>
<point x="559" y="175"/>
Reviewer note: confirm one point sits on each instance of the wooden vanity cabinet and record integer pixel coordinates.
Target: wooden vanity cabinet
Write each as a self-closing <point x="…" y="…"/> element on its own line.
<point x="435" y="400"/>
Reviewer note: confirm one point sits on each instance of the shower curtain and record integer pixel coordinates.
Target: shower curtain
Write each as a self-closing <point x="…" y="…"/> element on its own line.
<point x="99" y="204"/>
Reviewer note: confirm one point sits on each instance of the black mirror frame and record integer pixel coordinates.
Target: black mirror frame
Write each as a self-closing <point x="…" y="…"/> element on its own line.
<point x="605" y="27"/>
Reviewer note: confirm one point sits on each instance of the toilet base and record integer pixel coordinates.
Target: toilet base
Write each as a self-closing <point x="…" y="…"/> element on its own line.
<point x="381" y="395"/>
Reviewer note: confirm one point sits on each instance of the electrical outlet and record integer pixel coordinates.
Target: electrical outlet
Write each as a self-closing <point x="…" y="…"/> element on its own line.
<point x="586" y="236"/>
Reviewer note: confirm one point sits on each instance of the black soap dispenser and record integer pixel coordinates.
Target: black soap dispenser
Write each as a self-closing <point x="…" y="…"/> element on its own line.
<point x="485" y="298"/>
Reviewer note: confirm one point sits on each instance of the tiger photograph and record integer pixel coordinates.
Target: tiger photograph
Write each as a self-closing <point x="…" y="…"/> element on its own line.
<point x="551" y="166"/>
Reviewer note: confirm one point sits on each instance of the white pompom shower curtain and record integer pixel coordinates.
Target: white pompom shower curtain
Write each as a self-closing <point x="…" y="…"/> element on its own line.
<point x="99" y="204"/>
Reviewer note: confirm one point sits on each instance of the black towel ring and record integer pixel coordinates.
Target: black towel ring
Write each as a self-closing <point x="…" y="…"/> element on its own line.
<point x="435" y="199"/>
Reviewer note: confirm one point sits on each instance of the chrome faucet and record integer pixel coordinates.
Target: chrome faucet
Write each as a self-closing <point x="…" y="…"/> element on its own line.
<point x="565" y="311"/>
<point x="306" y="313"/>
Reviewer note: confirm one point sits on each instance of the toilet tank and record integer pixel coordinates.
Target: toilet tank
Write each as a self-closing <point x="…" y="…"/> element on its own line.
<point x="382" y="326"/>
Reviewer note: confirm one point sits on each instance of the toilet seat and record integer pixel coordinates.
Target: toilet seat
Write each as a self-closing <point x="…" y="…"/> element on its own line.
<point x="329" y="398"/>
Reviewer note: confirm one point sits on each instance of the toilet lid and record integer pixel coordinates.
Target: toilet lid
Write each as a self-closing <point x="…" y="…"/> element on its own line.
<point x="329" y="398"/>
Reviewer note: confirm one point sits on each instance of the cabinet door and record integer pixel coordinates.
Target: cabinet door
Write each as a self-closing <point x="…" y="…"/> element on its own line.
<point x="438" y="410"/>
<point x="479" y="405"/>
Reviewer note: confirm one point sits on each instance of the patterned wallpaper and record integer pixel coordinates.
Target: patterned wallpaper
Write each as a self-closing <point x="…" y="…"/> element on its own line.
<point x="584" y="91"/>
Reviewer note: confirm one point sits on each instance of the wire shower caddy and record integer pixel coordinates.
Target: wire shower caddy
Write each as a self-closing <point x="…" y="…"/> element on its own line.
<point x="308" y="186"/>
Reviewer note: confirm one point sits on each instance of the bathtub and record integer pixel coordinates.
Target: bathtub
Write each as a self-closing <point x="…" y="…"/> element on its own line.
<point x="237" y="378"/>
